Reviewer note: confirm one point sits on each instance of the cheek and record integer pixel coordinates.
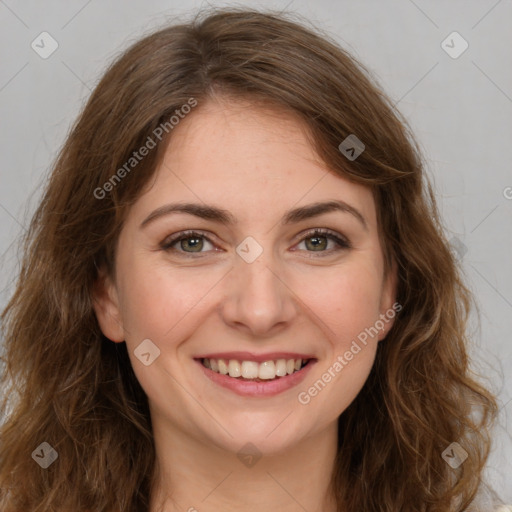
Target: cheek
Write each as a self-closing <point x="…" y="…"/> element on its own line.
<point x="350" y="379"/>
<point x="157" y="299"/>
<point x="347" y="300"/>
<point x="349" y="305"/>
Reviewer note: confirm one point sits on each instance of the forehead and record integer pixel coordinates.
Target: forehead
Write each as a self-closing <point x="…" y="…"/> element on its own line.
<point x="249" y="160"/>
<point x="242" y="133"/>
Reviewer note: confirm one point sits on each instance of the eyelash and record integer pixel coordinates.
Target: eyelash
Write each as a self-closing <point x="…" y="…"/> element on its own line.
<point x="342" y="243"/>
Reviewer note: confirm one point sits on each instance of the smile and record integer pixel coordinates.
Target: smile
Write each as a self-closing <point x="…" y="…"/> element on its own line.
<point x="266" y="377"/>
<point x="254" y="371"/>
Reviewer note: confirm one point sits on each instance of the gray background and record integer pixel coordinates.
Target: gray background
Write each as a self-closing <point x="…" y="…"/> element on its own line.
<point x="459" y="108"/>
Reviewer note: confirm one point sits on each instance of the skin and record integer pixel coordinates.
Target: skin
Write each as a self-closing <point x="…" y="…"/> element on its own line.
<point x="257" y="165"/>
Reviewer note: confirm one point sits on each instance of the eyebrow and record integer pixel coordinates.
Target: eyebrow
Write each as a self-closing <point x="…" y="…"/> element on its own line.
<point x="213" y="213"/>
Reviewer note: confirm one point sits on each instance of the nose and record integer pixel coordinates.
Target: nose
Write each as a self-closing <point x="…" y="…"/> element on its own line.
<point x="258" y="301"/>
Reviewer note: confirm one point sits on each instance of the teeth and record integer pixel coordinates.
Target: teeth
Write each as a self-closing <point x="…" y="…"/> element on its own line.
<point x="223" y="367"/>
<point x="235" y="370"/>
<point x="249" y="370"/>
<point x="281" y="367"/>
<point x="267" y="370"/>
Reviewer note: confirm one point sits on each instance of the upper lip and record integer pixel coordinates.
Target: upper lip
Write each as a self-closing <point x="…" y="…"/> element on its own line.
<point x="258" y="358"/>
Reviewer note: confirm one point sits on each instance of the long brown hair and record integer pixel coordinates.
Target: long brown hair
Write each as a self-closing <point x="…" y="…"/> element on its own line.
<point x="67" y="385"/>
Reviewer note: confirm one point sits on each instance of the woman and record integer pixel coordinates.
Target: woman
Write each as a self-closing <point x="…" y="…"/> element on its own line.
<point x="176" y="342"/>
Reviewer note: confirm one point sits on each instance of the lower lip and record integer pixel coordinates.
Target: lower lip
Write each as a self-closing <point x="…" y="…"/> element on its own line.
<point x="258" y="389"/>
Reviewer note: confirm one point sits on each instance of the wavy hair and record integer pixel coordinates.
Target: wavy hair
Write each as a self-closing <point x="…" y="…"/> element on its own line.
<point x="66" y="384"/>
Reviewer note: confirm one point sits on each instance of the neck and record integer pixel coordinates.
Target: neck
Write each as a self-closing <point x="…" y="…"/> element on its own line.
<point x="193" y="476"/>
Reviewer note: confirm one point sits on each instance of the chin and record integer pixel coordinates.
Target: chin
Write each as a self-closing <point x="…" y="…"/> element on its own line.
<point x="269" y="434"/>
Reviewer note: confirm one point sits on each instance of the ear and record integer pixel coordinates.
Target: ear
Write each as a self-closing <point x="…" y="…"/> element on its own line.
<point x="388" y="305"/>
<point x="106" y="306"/>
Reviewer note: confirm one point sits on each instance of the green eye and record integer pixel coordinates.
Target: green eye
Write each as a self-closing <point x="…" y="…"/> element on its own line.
<point x="320" y="238"/>
<point x="188" y="240"/>
<point x="194" y="242"/>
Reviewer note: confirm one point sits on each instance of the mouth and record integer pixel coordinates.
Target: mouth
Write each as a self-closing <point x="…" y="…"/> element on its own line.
<point x="253" y="371"/>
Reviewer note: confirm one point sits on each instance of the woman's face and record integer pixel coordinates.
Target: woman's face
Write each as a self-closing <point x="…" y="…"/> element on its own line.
<point x="253" y="290"/>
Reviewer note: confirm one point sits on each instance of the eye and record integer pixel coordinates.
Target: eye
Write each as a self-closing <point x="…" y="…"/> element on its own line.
<point x="193" y="242"/>
<point x="319" y="239"/>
